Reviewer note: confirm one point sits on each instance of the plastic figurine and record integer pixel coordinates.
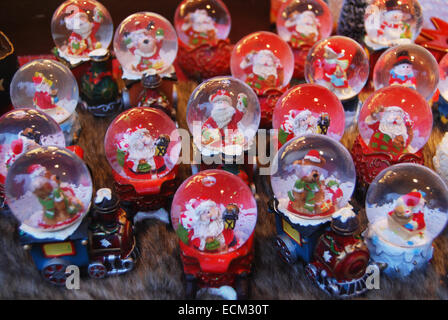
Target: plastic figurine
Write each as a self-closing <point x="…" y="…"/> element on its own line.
<point x="22" y="130"/>
<point x="223" y="114"/>
<point x="204" y="48"/>
<point x="48" y="86"/>
<point x="406" y="209"/>
<point x="79" y="28"/>
<point x="142" y="146"/>
<point x="302" y="23"/>
<point x="394" y="124"/>
<point x="341" y="65"/>
<point x="407" y="65"/>
<point x="214" y="214"/>
<point x="341" y="257"/>
<point x="392" y="22"/>
<point x="307" y="109"/>
<point x="265" y="62"/>
<point x="146" y="46"/>
<point x="312" y="177"/>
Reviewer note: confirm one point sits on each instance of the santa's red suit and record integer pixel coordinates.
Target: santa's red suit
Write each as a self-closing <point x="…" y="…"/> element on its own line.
<point x="159" y="169"/>
<point x="149" y="62"/>
<point x="79" y="46"/>
<point x="43" y="100"/>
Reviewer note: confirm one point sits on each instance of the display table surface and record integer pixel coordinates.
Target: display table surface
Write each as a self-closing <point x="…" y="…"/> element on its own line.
<point x="158" y="273"/>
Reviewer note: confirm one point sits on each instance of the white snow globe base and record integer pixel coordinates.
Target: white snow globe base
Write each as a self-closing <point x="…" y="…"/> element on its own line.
<point x="400" y="261"/>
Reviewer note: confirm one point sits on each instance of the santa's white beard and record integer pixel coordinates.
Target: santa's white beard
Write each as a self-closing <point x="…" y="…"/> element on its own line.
<point x="394" y="130"/>
<point x="222" y="114"/>
<point x="207" y="229"/>
<point x="306" y="29"/>
<point x="39" y="181"/>
<point x="43" y="88"/>
<point x="308" y="127"/>
<point x="135" y="155"/>
<point x="84" y="30"/>
<point x="203" y="26"/>
<point x="264" y="71"/>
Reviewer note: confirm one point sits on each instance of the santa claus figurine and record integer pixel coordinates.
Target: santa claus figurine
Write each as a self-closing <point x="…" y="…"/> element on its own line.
<point x="407" y="218"/>
<point x="392" y="130"/>
<point x="200" y="28"/>
<point x="146" y="48"/>
<point x="83" y="37"/>
<point x="313" y="195"/>
<point x="298" y="123"/>
<point x="60" y="205"/>
<point x="402" y="72"/>
<point x="27" y="139"/>
<point x="222" y="125"/>
<point x="264" y="70"/>
<point x="141" y="156"/>
<point x="303" y="28"/>
<point x="333" y="69"/>
<point x="45" y="94"/>
<point x="206" y="228"/>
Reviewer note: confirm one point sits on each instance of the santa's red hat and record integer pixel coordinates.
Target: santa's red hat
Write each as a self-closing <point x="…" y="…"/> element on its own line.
<point x="313" y="156"/>
<point x="221" y="95"/>
<point x="36" y="170"/>
<point x="412" y="199"/>
<point x="75" y="14"/>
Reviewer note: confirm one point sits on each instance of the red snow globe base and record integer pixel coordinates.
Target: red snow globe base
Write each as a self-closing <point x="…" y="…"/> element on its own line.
<point x="370" y="163"/>
<point x="205" y="61"/>
<point x="268" y="100"/>
<point x="214" y="215"/>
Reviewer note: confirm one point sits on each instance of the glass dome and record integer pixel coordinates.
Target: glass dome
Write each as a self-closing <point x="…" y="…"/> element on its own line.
<point x="302" y="23"/>
<point x="47" y="86"/>
<point x="407" y="205"/>
<point x="263" y="60"/>
<point x="443" y="71"/>
<point x="339" y="64"/>
<point x="307" y="109"/>
<point x="214" y="211"/>
<point x="395" y="120"/>
<point x="201" y="22"/>
<point x="142" y="144"/>
<point x="408" y="65"/>
<point x="312" y="177"/>
<point x="223" y="115"/>
<point x="80" y="27"/>
<point x="145" y="42"/>
<point x="48" y="189"/>
<point x="22" y="130"/>
<point x="392" y="22"/>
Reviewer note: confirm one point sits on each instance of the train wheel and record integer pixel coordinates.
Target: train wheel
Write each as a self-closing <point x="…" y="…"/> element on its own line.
<point x="283" y="251"/>
<point x="311" y="271"/>
<point x="54" y="272"/>
<point x="97" y="270"/>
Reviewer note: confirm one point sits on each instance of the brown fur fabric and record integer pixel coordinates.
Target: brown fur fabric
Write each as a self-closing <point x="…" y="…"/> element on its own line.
<point x="158" y="273"/>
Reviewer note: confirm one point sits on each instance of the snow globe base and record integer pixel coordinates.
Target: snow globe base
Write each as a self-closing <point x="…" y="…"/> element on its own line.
<point x="205" y="61"/>
<point x="399" y="261"/>
<point x="209" y="270"/>
<point x="296" y="238"/>
<point x="268" y="100"/>
<point x="369" y="163"/>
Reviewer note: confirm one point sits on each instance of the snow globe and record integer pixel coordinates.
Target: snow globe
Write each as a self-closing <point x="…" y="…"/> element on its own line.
<point x="406" y="207"/>
<point x="203" y="27"/>
<point x="223" y="114"/>
<point x="266" y="63"/>
<point x="82" y="31"/>
<point x="142" y="146"/>
<point x="308" y="109"/>
<point x="443" y="89"/>
<point x="50" y="87"/>
<point x="392" y="22"/>
<point x="145" y="44"/>
<point x="302" y="23"/>
<point x="55" y="183"/>
<point x="312" y="179"/>
<point x="394" y="124"/>
<point x="214" y="214"/>
<point x="408" y="65"/>
<point x="22" y="130"/>
<point x="79" y="27"/>
<point x="341" y="65"/>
